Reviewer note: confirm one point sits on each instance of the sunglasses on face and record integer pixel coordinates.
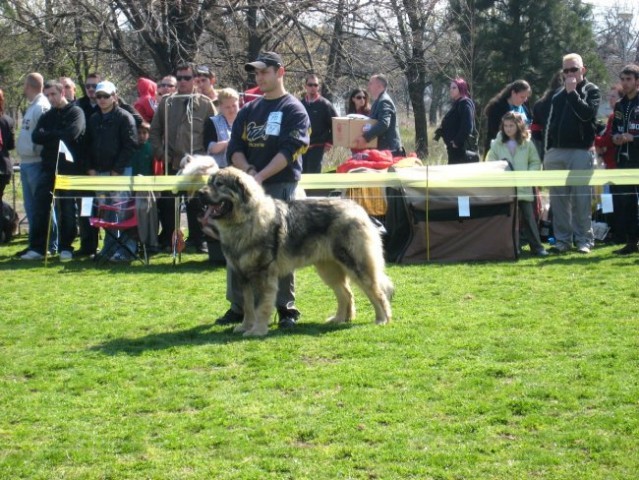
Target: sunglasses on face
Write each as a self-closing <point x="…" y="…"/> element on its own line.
<point x="312" y="84"/>
<point x="360" y="97"/>
<point x="571" y="70"/>
<point x="166" y="85"/>
<point x="91" y="86"/>
<point x="102" y="96"/>
<point x="185" y="78"/>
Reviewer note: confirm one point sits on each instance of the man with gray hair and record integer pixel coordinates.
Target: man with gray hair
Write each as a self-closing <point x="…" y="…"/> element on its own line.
<point x="570" y="136"/>
<point x="29" y="152"/>
<point x="384" y="112"/>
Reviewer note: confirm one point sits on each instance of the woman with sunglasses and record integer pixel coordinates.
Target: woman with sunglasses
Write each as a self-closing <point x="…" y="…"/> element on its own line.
<point x="358" y="102"/>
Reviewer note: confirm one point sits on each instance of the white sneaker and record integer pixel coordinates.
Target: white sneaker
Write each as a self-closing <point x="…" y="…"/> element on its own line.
<point x="66" y="256"/>
<point x="32" y="255"/>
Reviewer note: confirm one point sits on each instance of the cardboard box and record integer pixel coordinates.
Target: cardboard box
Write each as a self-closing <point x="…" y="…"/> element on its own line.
<point x="346" y="130"/>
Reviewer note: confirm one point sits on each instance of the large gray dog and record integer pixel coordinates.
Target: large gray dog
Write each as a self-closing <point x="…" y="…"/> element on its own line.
<point x="264" y="239"/>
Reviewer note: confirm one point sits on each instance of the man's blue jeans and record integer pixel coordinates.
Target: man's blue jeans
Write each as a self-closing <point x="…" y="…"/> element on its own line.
<point x="32" y="175"/>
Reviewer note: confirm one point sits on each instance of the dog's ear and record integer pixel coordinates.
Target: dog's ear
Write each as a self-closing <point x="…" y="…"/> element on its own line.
<point x="185" y="160"/>
<point x="242" y="190"/>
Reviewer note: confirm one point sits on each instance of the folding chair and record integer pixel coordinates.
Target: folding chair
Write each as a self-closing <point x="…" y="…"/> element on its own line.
<point x="120" y="222"/>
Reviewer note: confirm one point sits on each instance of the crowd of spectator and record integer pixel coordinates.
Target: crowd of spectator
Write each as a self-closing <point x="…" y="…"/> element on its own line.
<point x="100" y="134"/>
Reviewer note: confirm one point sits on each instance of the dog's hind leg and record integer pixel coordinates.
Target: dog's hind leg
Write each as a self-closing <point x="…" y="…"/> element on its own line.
<point x="378" y="288"/>
<point x="335" y="277"/>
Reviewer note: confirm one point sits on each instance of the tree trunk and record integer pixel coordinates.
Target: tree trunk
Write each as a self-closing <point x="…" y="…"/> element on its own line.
<point x="416" y="92"/>
<point x="335" y="52"/>
<point x="254" y="40"/>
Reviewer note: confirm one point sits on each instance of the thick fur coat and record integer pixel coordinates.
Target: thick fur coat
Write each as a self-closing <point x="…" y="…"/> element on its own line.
<point x="264" y="239"/>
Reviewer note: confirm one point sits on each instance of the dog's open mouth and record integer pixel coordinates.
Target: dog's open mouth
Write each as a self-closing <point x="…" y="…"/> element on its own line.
<point x="217" y="210"/>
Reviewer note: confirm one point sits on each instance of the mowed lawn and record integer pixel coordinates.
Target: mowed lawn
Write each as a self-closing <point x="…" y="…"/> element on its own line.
<point x="511" y="370"/>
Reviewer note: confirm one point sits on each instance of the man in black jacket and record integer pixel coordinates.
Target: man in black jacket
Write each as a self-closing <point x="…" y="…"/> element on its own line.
<point x="321" y="113"/>
<point x="112" y="142"/>
<point x="625" y="134"/>
<point x="112" y="135"/>
<point x="58" y="130"/>
<point x="88" y="104"/>
<point x="570" y="136"/>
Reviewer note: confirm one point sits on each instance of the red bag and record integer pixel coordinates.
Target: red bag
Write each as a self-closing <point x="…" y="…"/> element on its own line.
<point x="375" y="159"/>
<point x="158" y="166"/>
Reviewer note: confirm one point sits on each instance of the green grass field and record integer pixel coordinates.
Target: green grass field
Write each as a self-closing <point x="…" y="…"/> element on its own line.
<point x="489" y="371"/>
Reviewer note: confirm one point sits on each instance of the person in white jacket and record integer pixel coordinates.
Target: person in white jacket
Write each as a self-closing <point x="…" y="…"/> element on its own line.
<point x="29" y="152"/>
<point x="514" y="145"/>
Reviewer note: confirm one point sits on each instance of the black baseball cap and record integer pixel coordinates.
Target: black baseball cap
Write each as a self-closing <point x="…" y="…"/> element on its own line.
<point x="264" y="59"/>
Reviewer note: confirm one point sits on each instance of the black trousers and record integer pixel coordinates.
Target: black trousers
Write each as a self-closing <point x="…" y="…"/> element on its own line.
<point x="627" y="216"/>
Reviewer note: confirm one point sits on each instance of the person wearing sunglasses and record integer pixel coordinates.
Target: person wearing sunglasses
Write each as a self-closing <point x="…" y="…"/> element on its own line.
<point x="87" y="103"/>
<point x="112" y="141"/>
<point x="358" y="102"/>
<point x="177" y="129"/>
<point x="166" y="86"/>
<point x="321" y="113"/>
<point x="570" y="136"/>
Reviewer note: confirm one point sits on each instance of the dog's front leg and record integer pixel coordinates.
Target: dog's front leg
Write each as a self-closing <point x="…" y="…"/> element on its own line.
<point x="265" y="289"/>
<point x="248" y="322"/>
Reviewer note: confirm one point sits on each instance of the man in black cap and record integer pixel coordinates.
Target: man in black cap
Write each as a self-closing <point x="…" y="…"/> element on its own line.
<point x="268" y="138"/>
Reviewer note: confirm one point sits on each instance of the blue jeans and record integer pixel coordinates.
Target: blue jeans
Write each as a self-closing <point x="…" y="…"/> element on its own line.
<point x="31" y="176"/>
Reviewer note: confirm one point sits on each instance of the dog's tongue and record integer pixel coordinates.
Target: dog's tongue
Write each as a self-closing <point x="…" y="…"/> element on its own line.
<point x="212" y="210"/>
<point x="207" y="214"/>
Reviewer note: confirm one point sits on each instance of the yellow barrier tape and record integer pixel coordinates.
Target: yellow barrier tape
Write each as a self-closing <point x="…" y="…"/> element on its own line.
<point x="545" y="178"/>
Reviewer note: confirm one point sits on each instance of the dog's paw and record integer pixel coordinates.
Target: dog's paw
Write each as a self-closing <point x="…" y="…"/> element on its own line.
<point x="382" y="321"/>
<point x="239" y="328"/>
<point x="335" y="320"/>
<point x="256" y="332"/>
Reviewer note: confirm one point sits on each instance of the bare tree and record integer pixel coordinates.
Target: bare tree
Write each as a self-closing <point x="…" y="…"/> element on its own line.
<point x="408" y="30"/>
<point x="618" y="36"/>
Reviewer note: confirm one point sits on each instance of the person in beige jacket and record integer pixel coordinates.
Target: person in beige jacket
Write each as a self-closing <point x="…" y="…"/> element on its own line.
<point x="514" y="145"/>
<point x="177" y="128"/>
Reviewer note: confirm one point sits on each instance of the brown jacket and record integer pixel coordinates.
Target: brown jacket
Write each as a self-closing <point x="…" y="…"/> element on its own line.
<point x="179" y="121"/>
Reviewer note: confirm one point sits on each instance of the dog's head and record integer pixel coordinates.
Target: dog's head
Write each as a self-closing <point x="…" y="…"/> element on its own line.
<point x="227" y="193"/>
